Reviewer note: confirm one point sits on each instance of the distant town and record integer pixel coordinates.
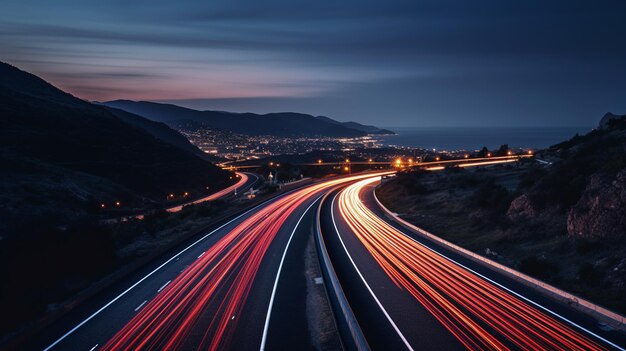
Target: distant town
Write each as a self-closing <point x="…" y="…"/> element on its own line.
<point x="233" y="146"/>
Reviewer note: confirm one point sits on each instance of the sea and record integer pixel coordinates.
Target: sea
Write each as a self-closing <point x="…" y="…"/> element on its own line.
<point x="474" y="138"/>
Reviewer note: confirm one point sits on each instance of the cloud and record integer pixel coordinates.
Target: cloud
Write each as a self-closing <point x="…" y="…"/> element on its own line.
<point x="318" y="51"/>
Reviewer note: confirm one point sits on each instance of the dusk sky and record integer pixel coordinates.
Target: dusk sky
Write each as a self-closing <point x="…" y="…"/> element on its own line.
<point x="388" y="63"/>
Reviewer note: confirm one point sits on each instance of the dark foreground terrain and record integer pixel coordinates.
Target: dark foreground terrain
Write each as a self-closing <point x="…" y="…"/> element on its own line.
<point x="66" y="165"/>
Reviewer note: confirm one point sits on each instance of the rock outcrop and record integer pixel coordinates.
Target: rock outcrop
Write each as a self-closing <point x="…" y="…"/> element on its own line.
<point x="605" y="121"/>
<point x="521" y="207"/>
<point x="601" y="210"/>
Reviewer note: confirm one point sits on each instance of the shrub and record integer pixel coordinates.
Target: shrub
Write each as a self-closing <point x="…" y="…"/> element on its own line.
<point x="538" y="267"/>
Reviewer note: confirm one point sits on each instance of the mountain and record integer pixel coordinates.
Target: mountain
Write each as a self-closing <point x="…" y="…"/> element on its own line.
<point x="62" y="156"/>
<point x="284" y="124"/>
<point x="358" y="126"/>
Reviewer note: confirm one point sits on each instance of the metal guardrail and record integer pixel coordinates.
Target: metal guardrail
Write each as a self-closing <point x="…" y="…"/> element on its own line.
<point x="616" y="320"/>
<point x="351" y="334"/>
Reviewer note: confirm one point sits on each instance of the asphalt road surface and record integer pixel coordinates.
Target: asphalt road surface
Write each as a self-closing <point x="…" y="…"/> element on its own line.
<point x="233" y="288"/>
<point x="408" y="292"/>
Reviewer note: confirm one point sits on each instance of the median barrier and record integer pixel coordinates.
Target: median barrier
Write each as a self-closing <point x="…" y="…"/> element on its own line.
<point x="351" y="335"/>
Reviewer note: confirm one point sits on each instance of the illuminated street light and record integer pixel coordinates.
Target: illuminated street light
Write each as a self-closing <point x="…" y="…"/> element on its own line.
<point x="347" y="160"/>
<point x="466" y="156"/>
<point x="102" y="206"/>
<point x="271" y="163"/>
<point x="117" y="203"/>
<point x="370" y="160"/>
<point x="319" y="161"/>
<point x="437" y="158"/>
<point x="346" y="168"/>
<point x="489" y="154"/>
<point x="509" y="153"/>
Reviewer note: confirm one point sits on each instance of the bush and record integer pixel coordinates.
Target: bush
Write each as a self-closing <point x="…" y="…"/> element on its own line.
<point x="492" y="196"/>
<point x="588" y="274"/>
<point x="538" y="267"/>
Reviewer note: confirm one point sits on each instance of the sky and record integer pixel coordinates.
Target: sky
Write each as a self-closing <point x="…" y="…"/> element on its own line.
<point x="387" y="63"/>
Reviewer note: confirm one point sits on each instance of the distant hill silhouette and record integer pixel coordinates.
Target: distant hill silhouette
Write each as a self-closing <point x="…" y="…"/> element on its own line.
<point x="284" y="124"/>
<point x="358" y="126"/>
<point x="160" y="131"/>
<point x="60" y="154"/>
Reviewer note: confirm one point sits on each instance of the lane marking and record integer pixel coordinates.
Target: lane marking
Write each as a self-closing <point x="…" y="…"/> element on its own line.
<point x="94" y="347"/>
<point x="140" y="305"/>
<point x="280" y="268"/>
<point x="164" y="285"/>
<point x="159" y="267"/>
<point x="202" y="254"/>
<point x="532" y="302"/>
<point x="393" y="324"/>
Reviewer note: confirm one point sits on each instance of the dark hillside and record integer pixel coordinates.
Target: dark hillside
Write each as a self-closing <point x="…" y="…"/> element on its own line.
<point x="284" y="124"/>
<point x="562" y="220"/>
<point x="49" y="129"/>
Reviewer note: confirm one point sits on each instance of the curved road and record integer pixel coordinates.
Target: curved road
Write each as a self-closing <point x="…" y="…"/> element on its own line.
<point x="245" y="182"/>
<point x="408" y="292"/>
<point x="242" y="286"/>
<point x="220" y="292"/>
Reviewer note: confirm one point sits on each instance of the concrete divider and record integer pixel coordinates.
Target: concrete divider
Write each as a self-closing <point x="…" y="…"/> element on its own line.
<point x="352" y="337"/>
<point x="611" y="318"/>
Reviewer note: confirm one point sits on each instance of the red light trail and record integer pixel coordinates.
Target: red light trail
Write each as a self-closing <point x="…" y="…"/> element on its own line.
<point x="243" y="178"/>
<point x="210" y="294"/>
<point x="479" y="314"/>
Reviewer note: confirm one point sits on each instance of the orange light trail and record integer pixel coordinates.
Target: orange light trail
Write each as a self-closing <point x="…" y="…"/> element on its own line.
<point x="210" y="293"/>
<point x="481" y="315"/>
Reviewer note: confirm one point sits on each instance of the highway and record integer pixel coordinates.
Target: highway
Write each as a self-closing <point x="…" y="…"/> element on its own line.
<point x="245" y="182"/>
<point x="223" y="291"/>
<point x="242" y="286"/>
<point x="408" y="292"/>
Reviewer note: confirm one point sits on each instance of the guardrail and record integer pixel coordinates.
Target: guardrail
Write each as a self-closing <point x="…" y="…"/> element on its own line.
<point x="616" y="320"/>
<point x="351" y="334"/>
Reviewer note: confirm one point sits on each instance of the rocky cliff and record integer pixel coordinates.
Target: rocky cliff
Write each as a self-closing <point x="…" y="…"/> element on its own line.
<point x="601" y="210"/>
<point x="585" y="188"/>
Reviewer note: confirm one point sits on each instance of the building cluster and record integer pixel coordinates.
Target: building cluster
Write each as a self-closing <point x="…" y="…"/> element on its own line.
<point x="233" y="146"/>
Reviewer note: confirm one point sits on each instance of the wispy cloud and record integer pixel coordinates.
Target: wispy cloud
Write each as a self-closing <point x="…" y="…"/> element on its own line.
<point x="354" y="56"/>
